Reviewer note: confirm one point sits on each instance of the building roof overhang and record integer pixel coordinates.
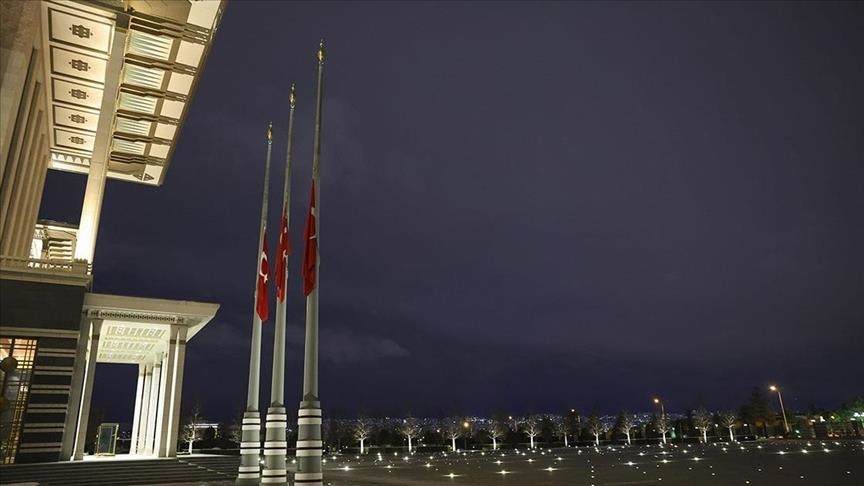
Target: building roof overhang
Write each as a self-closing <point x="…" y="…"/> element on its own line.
<point x="137" y="329"/>
<point x="166" y="44"/>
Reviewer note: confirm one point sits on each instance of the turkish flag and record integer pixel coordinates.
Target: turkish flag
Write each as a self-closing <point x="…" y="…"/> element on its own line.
<point x="263" y="277"/>
<point x="283" y="251"/>
<point x="310" y="255"/>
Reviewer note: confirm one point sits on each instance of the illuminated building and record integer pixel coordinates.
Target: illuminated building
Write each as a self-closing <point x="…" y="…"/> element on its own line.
<point x="99" y="88"/>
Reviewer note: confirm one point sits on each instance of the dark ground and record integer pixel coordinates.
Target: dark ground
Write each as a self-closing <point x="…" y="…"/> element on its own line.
<point x="757" y="463"/>
<point x="769" y="463"/>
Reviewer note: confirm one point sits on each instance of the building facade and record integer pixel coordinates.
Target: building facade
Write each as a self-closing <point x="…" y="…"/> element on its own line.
<point x="100" y="88"/>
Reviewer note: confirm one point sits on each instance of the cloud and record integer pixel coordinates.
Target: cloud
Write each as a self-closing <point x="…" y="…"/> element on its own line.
<point x="343" y="346"/>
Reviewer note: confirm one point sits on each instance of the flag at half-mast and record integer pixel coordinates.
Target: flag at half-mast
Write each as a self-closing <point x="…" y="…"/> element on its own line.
<point x="282" y="252"/>
<point x="310" y="255"/>
<point x="263" y="277"/>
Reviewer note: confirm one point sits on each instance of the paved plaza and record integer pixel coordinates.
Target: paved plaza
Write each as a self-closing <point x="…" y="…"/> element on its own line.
<point x="821" y="463"/>
<point x="793" y="462"/>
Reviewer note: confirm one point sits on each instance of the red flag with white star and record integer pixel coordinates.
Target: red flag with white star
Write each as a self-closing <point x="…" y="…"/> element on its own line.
<point x="282" y="252"/>
<point x="310" y="255"/>
<point x="263" y="277"/>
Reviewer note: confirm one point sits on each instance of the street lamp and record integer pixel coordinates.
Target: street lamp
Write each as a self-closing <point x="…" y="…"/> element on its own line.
<point x="657" y="401"/>
<point x="465" y="425"/>
<point x="782" y="409"/>
<point x="662" y="409"/>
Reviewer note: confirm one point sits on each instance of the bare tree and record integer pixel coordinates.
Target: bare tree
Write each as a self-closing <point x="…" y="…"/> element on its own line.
<point x="702" y="421"/>
<point x="596" y="427"/>
<point x="454" y="431"/>
<point x="728" y="420"/>
<point x="497" y="430"/>
<point x="190" y="432"/>
<point x="532" y="428"/>
<point x="662" y="426"/>
<point x="561" y="429"/>
<point x="410" y="429"/>
<point x="235" y="429"/>
<point x="362" y="430"/>
<point x="626" y="424"/>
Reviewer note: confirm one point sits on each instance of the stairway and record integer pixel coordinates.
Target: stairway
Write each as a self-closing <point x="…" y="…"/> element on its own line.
<point x="123" y="472"/>
<point x="225" y="465"/>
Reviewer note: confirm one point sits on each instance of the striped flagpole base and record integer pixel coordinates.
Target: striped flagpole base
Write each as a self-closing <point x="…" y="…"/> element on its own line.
<point x="275" y="447"/>
<point x="309" y="445"/>
<point x="249" y="472"/>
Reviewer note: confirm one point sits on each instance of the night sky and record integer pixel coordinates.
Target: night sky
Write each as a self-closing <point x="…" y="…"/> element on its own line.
<point x="525" y="207"/>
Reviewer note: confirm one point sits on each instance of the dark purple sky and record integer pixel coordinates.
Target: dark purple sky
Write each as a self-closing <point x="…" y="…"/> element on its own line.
<point x="524" y="206"/>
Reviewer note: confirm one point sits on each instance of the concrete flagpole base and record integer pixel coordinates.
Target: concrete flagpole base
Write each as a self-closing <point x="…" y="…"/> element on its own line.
<point x="275" y="447"/>
<point x="249" y="472"/>
<point x="309" y="445"/>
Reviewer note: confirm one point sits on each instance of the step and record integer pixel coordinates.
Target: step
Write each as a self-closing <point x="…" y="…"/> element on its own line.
<point x="132" y="472"/>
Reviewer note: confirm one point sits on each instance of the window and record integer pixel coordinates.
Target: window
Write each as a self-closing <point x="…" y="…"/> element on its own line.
<point x="17" y="357"/>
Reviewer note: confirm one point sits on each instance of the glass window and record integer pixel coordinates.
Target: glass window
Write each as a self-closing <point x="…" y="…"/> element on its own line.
<point x="17" y="356"/>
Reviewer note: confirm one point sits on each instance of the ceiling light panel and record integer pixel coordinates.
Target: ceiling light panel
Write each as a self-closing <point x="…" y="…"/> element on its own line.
<point x="136" y="102"/>
<point x="149" y="45"/>
<point x="133" y="127"/>
<point x="142" y="76"/>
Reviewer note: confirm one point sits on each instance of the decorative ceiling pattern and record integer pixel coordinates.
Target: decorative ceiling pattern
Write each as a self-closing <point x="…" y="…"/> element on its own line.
<point x="165" y="46"/>
<point x="78" y="43"/>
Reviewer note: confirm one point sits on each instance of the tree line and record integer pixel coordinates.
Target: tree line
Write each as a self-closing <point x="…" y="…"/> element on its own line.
<point x="755" y="418"/>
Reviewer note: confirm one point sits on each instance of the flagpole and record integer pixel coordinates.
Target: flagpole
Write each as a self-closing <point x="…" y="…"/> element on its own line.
<point x="309" y="441"/>
<point x="249" y="472"/>
<point x="275" y="442"/>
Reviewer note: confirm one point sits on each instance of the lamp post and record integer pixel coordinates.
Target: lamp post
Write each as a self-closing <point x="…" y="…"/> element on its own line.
<point x="782" y="409"/>
<point x="657" y="401"/>
<point x="466" y="426"/>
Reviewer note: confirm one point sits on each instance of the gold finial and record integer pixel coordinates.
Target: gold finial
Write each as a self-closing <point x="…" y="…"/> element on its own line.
<point x="321" y="52"/>
<point x="292" y="96"/>
<point x="269" y="132"/>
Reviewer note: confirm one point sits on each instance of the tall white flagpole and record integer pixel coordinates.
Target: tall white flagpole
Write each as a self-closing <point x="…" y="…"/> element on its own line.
<point x="275" y="443"/>
<point x="309" y="441"/>
<point x="249" y="472"/>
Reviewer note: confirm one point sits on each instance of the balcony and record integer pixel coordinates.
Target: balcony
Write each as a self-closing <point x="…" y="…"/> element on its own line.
<point x="45" y="270"/>
<point x="54" y="241"/>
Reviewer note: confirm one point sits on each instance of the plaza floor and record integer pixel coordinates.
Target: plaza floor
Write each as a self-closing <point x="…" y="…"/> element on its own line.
<point x="822" y="463"/>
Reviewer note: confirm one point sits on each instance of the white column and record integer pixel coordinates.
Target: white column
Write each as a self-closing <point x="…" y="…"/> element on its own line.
<point x="136" y="415"/>
<point x="91" y="210"/>
<point x="23" y="197"/>
<point x="162" y="438"/>
<point x="89" y="376"/>
<point x="73" y="410"/>
<point x="11" y="198"/>
<point x="155" y="378"/>
<point x="144" y="413"/>
<point x="37" y="186"/>
<point x="179" y="344"/>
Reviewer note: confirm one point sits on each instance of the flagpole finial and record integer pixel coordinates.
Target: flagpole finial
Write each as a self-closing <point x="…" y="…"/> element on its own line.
<point x="269" y="132"/>
<point x="321" y="51"/>
<point x="292" y="96"/>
